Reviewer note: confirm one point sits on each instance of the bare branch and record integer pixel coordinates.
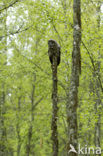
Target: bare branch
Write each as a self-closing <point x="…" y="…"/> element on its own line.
<point x="56" y="31"/>
<point x="16" y="32"/>
<point x="92" y="61"/>
<point x="37" y="102"/>
<point x="10" y="5"/>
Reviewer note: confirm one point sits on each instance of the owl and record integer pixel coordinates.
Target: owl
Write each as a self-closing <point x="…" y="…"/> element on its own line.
<point x="54" y="50"/>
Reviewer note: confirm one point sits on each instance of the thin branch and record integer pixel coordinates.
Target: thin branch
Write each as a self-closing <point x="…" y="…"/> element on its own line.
<point x="89" y="55"/>
<point x="92" y="61"/>
<point x="37" y="102"/>
<point x="56" y="31"/>
<point x="16" y="32"/>
<point x="10" y="5"/>
<point x="32" y="62"/>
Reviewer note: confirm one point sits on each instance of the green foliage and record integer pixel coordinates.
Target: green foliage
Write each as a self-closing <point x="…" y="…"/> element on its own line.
<point x="24" y="63"/>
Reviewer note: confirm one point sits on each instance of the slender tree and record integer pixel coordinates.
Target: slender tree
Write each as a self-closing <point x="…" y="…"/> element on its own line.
<point x="54" y="56"/>
<point x="76" y="70"/>
<point x="97" y="135"/>
<point x="28" y="147"/>
<point x="18" y="128"/>
<point x="3" y="136"/>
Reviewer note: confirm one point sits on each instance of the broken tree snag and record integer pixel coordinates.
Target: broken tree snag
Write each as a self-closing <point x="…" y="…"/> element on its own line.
<point x="54" y="56"/>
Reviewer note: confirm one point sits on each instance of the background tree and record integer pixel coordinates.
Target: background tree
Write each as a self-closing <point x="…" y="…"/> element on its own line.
<point x="76" y="70"/>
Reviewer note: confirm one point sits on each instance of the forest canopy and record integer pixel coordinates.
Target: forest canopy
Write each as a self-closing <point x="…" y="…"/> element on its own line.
<point x="26" y="82"/>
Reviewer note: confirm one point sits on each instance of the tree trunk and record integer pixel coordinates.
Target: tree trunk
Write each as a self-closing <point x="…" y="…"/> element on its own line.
<point x="18" y="127"/>
<point x="2" y="125"/>
<point x="55" y="110"/>
<point x="54" y="102"/>
<point x="28" y="146"/>
<point x="73" y="93"/>
<point x="98" y="99"/>
<point x="3" y="131"/>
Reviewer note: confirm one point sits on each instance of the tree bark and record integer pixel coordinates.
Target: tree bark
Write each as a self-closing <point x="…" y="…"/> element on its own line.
<point x="3" y="138"/>
<point x="54" y="106"/>
<point x="18" y="126"/>
<point x="3" y="132"/>
<point x="55" y="110"/>
<point x="28" y="146"/>
<point x="97" y="88"/>
<point x="76" y="70"/>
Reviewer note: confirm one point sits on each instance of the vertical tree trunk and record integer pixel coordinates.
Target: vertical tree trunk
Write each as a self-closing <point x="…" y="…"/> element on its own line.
<point x="3" y="132"/>
<point x="2" y="123"/>
<point x="18" y="127"/>
<point x="54" y="102"/>
<point x="73" y="93"/>
<point x="97" y="136"/>
<point x="55" y="110"/>
<point x="98" y="99"/>
<point x="28" y="146"/>
<point x="29" y="150"/>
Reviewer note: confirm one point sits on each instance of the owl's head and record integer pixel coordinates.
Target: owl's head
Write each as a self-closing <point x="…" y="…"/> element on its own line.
<point x="52" y="43"/>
